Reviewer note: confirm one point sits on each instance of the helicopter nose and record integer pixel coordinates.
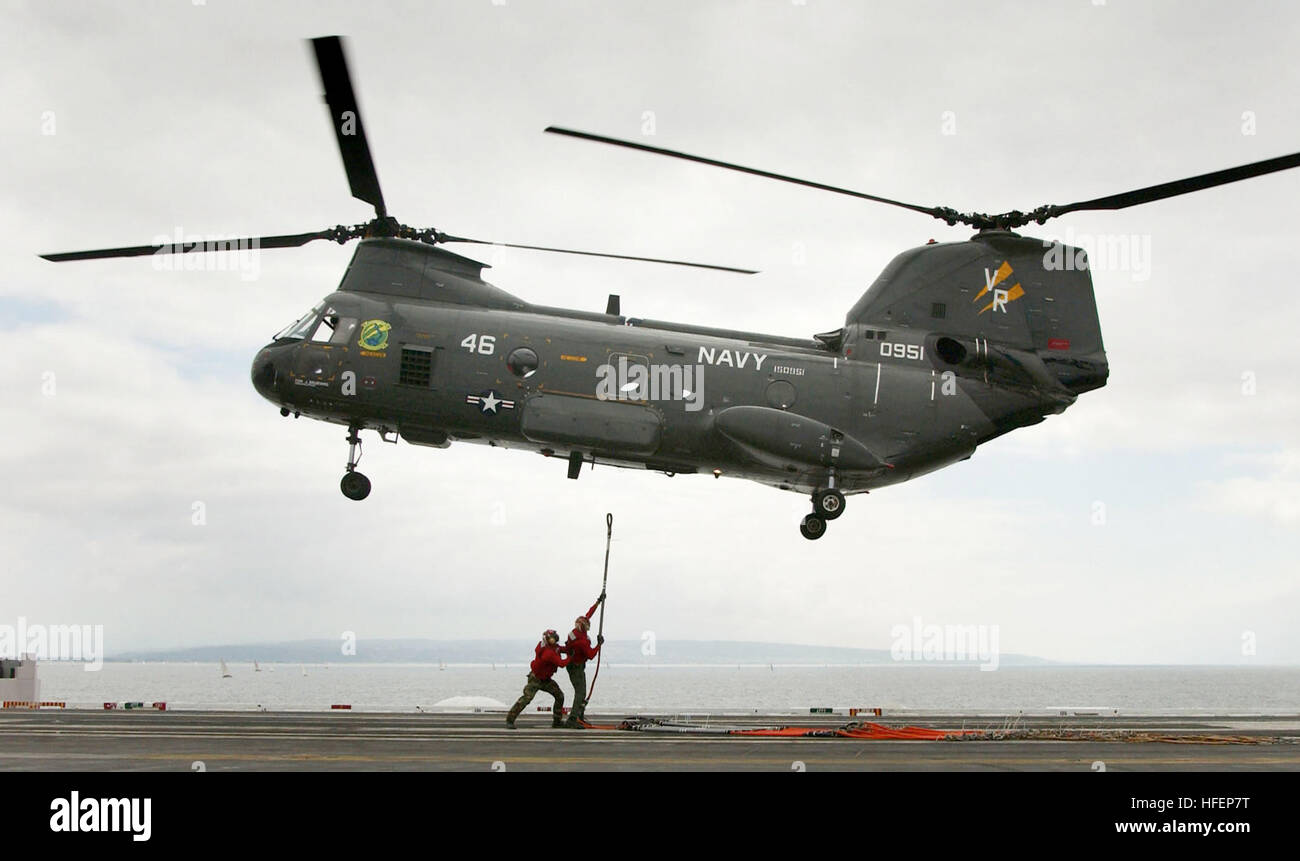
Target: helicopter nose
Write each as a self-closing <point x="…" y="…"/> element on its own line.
<point x="264" y="374"/>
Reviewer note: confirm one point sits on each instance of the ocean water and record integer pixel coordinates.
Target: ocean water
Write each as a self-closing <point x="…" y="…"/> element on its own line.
<point x="660" y="688"/>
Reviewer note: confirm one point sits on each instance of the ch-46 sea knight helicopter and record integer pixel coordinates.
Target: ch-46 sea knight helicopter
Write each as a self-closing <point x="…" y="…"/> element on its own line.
<point x="954" y="344"/>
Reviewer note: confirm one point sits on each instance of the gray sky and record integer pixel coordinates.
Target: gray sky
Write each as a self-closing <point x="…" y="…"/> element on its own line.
<point x="207" y="119"/>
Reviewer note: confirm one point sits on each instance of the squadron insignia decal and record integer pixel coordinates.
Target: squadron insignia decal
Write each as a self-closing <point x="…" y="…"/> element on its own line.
<point x="1001" y="296"/>
<point x="490" y="402"/>
<point x="374" y="335"/>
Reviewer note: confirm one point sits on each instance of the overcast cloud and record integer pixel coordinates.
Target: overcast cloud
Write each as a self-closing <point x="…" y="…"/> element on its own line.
<point x="126" y="396"/>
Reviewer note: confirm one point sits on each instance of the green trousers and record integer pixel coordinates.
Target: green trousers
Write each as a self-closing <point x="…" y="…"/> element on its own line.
<point x="578" y="678"/>
<point x="531" y="687"/>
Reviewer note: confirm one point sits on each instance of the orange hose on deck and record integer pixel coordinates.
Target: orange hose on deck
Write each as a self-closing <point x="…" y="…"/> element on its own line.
<point x="880" y="732"/>
<point x="587" y="725"/>
<point x="866" y="731"/>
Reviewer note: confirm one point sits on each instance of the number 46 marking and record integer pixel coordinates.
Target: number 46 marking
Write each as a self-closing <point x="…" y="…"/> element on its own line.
<point x="485" y="344"/>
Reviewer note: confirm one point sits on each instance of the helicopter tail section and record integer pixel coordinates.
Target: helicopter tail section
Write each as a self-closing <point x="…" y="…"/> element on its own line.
<point x="1063" y="321"/>
<point x="996" y="292"/>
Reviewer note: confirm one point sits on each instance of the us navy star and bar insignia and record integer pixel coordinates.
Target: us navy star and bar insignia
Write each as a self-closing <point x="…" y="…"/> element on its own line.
<point x="489" y="402"/>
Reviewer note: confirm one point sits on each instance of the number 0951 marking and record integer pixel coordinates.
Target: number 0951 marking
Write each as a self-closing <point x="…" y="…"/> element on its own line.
<point x="902" y="351"/>
<point x="483" y="344"/>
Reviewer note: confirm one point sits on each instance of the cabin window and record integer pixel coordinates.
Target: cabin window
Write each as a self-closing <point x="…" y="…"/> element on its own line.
<point x="417" y="367"/>
<point x="522" y="362"/>
<point x="780" y="394"/>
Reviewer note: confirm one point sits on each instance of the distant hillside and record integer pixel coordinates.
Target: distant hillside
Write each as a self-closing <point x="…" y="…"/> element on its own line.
<point x="418" y="651"/>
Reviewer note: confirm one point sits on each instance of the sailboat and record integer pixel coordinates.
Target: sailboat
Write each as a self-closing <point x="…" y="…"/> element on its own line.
<point x="304" y="669"/>
<point x="225" y="671"/>
<point x="256" y="668"/>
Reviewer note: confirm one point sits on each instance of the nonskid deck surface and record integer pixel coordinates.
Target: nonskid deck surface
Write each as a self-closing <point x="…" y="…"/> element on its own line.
<point x="77" y="740"/>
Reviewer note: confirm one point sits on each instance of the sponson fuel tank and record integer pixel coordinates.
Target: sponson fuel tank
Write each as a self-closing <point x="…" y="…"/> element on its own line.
<point x="609" y="427"/>
<point x="780" y="437"/>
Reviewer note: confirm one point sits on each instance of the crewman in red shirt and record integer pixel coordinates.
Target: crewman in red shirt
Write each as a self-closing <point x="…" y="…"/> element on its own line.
<point x="579" y="650"/>
<point x="546" y="660"/>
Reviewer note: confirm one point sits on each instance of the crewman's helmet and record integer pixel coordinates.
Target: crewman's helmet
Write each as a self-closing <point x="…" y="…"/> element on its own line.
<point x="582" y="623"/>
<point x="549" y="634"/>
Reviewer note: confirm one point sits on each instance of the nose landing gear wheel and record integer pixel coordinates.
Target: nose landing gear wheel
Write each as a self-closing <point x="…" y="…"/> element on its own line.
<point x="812" y="527"/>
<point x="828" y="504"/>
<point x="355" y="486"/>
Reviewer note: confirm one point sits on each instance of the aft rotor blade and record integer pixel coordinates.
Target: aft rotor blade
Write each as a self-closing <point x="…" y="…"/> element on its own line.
<point x="445" y="238"/>
<point x="234" y="244"/>
<point x="671" y="153"/>
<point x="345" y="117"/>
<point x="1182" y="186"/>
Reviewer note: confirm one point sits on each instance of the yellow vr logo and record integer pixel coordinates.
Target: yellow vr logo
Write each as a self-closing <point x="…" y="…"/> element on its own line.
<point x="1001" y="296"/>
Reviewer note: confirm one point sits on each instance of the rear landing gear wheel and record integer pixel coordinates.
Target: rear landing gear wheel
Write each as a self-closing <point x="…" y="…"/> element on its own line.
<point x="812" y="527"/>
<point x="828" y="504"/>
<point x="355" y="486"/>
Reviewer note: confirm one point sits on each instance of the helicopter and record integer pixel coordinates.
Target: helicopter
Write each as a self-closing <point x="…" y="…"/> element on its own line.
<point x="953" y="345"/>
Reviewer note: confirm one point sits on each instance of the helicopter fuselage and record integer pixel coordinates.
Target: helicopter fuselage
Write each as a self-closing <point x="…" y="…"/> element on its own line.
<point x="415" y="344"/>
<point x="952" y="345"/>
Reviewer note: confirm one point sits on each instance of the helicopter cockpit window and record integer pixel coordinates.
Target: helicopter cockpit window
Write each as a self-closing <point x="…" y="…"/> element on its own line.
<point x="343" y="329"/>
<point x="301" y="327"/>
<point x="333" y="328"/>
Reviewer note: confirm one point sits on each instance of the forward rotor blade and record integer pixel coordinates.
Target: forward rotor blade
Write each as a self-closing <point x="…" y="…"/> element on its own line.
<point x="1181" y="186"/>
<point x="345" y="117"/>
<point x="943" y="214"/>
<point x="445" y="238"/>
<point x="245" y="243"/>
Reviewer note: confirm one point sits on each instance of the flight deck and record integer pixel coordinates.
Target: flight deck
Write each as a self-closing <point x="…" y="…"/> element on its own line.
<point x="88" y="740"/>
